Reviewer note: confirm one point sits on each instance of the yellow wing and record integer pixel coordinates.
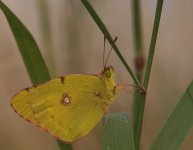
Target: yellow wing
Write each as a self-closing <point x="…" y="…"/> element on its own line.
<point x="67" y="107"/>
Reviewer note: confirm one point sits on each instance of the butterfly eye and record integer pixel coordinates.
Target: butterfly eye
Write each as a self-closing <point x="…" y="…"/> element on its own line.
<point x="107" y="73"/>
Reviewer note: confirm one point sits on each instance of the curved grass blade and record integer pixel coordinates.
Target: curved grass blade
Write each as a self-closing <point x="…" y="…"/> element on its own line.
<point x="118" y="134"/>
<point x="178" y="125"/>
<point x="30" y="52"/>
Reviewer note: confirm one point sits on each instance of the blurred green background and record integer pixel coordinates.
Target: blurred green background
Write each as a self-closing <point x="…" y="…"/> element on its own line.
<point x="75" y="45"/>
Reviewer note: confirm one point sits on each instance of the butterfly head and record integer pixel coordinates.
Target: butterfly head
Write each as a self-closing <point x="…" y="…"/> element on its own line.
<point x="107" y="75"/>
<point x="108" y="72"/>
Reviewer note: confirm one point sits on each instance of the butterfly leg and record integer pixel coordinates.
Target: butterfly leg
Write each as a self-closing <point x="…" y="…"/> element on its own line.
<point x="105" y="119"/>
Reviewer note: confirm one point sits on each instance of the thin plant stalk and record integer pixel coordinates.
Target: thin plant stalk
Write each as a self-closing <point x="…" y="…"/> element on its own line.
<point x="139" y="60"/>
<point x="137" y="26"/>
<point x="138" y="42"/>
<point x="142" y="98"/>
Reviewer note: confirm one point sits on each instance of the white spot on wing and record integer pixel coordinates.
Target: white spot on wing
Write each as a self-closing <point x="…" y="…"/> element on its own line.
<point x="65" y="99"/>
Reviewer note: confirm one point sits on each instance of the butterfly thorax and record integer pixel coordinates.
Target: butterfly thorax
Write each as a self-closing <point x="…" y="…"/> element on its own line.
<point x="107" y="76"/>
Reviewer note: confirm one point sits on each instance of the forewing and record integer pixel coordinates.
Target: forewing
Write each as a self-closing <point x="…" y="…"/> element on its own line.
<point x="44" y="105"/>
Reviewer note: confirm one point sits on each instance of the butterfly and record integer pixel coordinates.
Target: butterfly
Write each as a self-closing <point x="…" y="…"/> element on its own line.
<point x="68" y="107"/>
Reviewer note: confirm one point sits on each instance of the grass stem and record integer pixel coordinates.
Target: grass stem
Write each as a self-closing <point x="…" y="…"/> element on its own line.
<point x="141" y="105"/>
<point x="139" y="60"/>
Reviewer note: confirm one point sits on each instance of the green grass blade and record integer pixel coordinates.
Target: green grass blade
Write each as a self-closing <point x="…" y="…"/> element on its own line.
<point x="178" y="125"/>
<point x="153" y="42"/>
<point x="30" y="52"/>
<point x="105" y="31"/>
<point x="118" y="134"/>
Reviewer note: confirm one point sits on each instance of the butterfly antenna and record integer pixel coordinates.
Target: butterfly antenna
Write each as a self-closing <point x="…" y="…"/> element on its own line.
<point x="104" y="50"/>
<point x="110" y="51"/>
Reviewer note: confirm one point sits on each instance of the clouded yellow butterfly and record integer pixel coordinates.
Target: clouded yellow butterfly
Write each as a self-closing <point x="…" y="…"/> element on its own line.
<point x="70" y="106"/>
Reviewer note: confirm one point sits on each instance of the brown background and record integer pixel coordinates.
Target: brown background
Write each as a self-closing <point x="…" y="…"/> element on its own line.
<point x="78" y="47"/>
